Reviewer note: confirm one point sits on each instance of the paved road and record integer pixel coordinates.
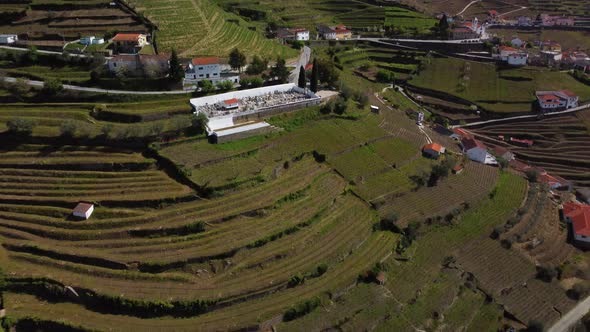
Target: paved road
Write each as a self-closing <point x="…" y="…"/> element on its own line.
<point x="301" y="61"/>
<point x="423" y="41"/>
<point x="571" y="110"/>
<point x="97" y="90"/>
<point x="22" y="49"/>
<point x="467" y="7"/>
<point x="572" y="317"/>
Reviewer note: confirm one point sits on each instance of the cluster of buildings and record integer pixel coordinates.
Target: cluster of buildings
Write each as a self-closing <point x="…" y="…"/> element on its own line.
<point x="511" y="55"/>
<point x="292" y="34"/>
<point x="468" y="30"/>
<point x="542" y="20"/>
<point x="338" y="32"/>
<point x="556" y="100"/>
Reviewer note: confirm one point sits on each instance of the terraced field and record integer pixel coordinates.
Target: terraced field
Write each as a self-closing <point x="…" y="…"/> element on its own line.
<point x="250" y="242"/>
<point x="52" y="23"/>
<point x="199" y="27"/>
<point x="559" y="144"/>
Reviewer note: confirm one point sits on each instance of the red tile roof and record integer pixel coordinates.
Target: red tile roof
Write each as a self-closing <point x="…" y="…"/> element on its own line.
<point x="433" y="146"/>
<point x="568" y="93"/>
<point x="83" y="207"/>
<point x="579" y="214"/>
<point x="205" y="61"/>
<point x="471" y="143"/>
<point x="308" y="66"/>
<point x="230" y="101"/>
<point x="493" y="12"/>
<point x="461" y="132"/>
<point x="522" y="141"/>
<point x="508" y="49"/>
<point x="126" y="37"/>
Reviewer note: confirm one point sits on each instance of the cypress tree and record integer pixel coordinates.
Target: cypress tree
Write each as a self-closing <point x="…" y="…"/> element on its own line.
<point x="302" y="82"/>
<point x="175" y="71"/>
<point x="314" y="77"/>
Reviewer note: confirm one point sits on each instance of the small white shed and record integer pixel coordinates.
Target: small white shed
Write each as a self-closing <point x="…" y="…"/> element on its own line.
<point x="8" y="39"/>
<point x="83" y="210"/>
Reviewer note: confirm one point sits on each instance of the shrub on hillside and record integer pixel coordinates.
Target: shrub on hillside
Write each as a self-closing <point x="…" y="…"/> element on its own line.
<point x="21" y="126"/>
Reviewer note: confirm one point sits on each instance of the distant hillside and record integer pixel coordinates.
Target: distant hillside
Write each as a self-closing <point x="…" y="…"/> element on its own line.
<point x="199" y="27"/>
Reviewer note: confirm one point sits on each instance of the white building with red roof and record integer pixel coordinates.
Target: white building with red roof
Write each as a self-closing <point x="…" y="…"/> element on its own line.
<point x="230" y="104"/>
<point x="557" y="100"/>
<point x="208" y="68"/>
<point x="578" y="216"/>
<point x="477" y="151"/>
<point x="293" y="34"/>
<point x="128" y="41"/>
<point x="433" y="150"/>
<point x="339" y="32"/>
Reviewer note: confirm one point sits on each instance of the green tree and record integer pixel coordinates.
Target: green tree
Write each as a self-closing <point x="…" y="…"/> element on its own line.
<point x="443" y="27"/>
<point x="256" y="82"/>
<point x="302" y="82"/>
<point x="340" y="106"/>
<point x="327" y="72"/>
<point x="52" y="86"/>
<point x="206" y="86"/>
<point x="68" y="128"/>
<point x="106" y="129"/>
<point x="175" y="71"/>
<point x="313" y="85"/>
<point x="199" y="123"/>
<point x="257" y="66"/>
<point x="21" y="126"/>
<point x="224" y="85"/>
<point x="535" y="326"/>
<point x="280" y="71"/>
<point x="237" y="59"/>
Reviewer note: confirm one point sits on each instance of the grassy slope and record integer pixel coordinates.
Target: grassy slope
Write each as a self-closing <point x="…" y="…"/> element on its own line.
<point x="497" y="90"/>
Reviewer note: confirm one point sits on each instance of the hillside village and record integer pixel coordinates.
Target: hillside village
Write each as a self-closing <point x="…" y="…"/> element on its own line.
<point x="305" y="165"/>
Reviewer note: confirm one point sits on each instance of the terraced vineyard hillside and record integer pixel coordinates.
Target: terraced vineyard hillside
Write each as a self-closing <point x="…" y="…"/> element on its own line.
<point x="568" y="7"/>
<point x="559" y="144"/>
<point x="200" y="27"/>
<point x="51" y="23"/>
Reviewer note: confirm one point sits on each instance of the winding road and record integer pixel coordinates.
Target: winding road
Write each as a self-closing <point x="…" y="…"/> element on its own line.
<point x="301" y="62"/>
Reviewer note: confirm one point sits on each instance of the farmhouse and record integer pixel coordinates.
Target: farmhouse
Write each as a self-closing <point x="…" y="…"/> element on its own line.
<point x="91" y="40"/>
<point x="476" y="151"/>
<point x="129" y="42"/>
<point x="554" y="181"/>
<point x="339" y="32"/>
<point x="511" y="55"/>
<point x="433" y="150"/>
<point x="578" y="218"/>
<point x="502" y="152"/>
<point x="556" y="100"/>
<point x="551" y="46"/>
<point x="8" y="39"/>
<point x="463" y="33"/>
<point x="139" y="64"/>
<point x="550" y="57"/>
<point x="83" y="210"/>
<point x="238" y="114"/>
<point x="518" y="59"/>
<point x="297" y="34"/>
<point x="208" y="68"/>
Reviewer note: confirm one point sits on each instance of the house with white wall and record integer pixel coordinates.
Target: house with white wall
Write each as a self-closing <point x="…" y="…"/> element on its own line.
<point x="556" y="100"/>
<point x="293" y="34"/>
<point x="477" y="151"/>
<point x="91" y="40"/>
<point x="8" y="39"/>
<point x="207" y="68"/>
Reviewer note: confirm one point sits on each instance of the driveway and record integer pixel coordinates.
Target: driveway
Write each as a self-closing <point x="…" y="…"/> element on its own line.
<point x="572" y="317"/>
<point x="301" y="61"/>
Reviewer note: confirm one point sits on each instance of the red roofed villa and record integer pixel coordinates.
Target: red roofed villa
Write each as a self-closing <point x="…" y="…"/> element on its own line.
<point x="433" y="150"/>
<point x="556" y="100"/>
<point x="129" y="40"/>
<point x="578" y="216"/>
